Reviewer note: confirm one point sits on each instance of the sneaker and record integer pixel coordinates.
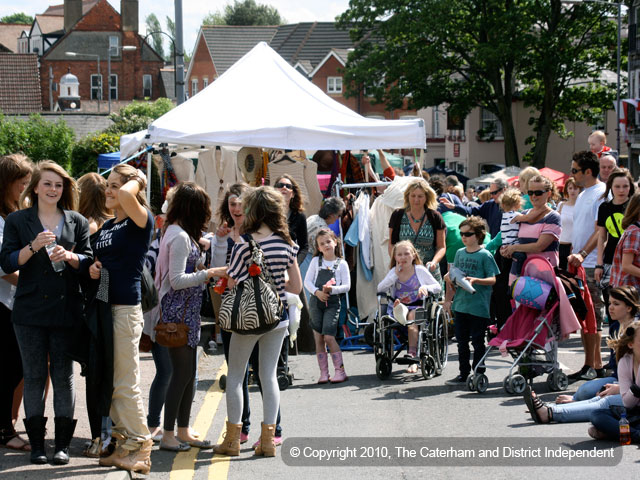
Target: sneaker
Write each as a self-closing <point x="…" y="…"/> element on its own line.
<point x="602" y="373"/>
<point x="578" y="375"/>
<point x="590" y="374"/>
<point x="459" y="380"/>
<point x="244" y="437"/>
<point x="276" y="440"/>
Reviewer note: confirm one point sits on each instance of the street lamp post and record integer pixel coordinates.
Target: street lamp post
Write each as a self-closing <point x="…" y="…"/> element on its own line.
<point x="175" y="68"/>
<point x="619" y="18"/>
<point x="75" y="54"/>
<point x="124" y="48"/>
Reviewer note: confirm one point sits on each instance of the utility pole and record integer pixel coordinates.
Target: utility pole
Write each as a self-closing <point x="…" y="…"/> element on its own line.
<point x="179" y="54"/>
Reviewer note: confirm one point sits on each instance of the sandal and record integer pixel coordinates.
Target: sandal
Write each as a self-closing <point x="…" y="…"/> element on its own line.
<point x="533" y="404"/>
<point x="201" y="444"/>
<point x="20" y="444"/>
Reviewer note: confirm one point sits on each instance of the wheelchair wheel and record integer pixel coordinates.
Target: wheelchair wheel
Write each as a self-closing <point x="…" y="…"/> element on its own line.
<point x="223" y="382"/>
<point x="383" y="367"/>
<point x="441" y="341"/>
<point x="428" y="367"/>
<point x="517" y="384"/>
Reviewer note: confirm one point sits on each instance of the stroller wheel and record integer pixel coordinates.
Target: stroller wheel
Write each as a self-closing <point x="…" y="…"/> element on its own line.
<point x="428" y="367"/>
<point x="558" y="381"/>
<point x="383" y="368"/>
<point x="482" y="383"/>
<point x="517" y="384"/>
<point x="506" y="385"/>
<point x="290" y="378"/>
<point x="223" y="382"/>
<point x="470" y="383"/>
<point x="283" y="382"/>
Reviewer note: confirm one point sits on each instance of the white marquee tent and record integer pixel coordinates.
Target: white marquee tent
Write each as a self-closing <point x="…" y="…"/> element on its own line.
<point x="262" y="101"/>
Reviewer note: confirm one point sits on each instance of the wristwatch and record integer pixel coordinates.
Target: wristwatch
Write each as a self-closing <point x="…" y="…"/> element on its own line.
<point x="583" y="253"/>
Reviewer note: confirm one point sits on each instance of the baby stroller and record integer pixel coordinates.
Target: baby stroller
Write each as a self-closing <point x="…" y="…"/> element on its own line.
<point x="389" y="338"/>
<point x="531" y="334"/>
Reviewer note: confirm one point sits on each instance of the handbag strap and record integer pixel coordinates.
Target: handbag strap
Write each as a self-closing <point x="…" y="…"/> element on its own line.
<point x="257" y="256"/>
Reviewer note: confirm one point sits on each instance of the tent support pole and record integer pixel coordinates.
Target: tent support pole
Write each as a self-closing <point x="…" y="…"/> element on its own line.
<point x="149" y="160"/>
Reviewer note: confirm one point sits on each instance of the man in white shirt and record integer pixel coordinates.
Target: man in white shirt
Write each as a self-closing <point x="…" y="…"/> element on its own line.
<point x="585" y="168"/>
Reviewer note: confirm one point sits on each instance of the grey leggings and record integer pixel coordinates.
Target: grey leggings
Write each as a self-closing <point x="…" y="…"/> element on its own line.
<point x="179" y="397"/>
<point x="40" y="346"/>
<point x="240" y="350"/>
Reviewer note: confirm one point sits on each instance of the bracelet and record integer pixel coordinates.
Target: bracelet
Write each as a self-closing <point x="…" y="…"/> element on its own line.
<point x="31" y="248"/>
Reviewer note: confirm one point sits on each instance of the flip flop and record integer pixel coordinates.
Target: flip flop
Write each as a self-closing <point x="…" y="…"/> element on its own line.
<point x="181" y="447"/>
<point x="201" y="444"/>
<point x="25" y="446"/>
<point x="533" y="404"/>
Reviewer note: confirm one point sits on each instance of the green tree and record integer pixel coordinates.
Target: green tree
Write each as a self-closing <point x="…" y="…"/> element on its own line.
<point x="153" y="25"/>
<point x="21" y="18"/>
<point x="84" y="155"/>
<point x="470" y="53"/>
<point x="137" y="116"/>
<point x="246" y="12"/>
<point x="171" y="30"/>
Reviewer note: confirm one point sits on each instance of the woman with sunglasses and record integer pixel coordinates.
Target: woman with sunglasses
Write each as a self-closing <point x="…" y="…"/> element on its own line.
<point x="540" y="234"/>
<point x="294" y="210"/>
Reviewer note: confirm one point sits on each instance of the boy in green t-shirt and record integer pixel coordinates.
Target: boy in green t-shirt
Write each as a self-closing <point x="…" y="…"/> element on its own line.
<point x="471" y="311"/>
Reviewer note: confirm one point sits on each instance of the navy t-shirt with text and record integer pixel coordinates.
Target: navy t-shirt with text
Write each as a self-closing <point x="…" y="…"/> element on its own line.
<point x="121" y="248"/>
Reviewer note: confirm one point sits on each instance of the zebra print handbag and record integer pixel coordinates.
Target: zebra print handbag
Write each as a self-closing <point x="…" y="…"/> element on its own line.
<point x="253" y="306"/>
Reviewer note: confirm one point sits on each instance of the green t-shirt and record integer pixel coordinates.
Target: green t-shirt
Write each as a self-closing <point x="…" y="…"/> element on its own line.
<point x="478" y="264"/>
<point x="453" y="240"/>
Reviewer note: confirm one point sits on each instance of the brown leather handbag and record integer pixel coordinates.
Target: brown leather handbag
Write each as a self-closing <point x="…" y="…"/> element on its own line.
<point x="172" y="334"/>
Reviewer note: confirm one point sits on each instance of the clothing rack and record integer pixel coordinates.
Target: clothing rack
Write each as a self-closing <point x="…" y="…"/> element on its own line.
<point x="353" y="342"/>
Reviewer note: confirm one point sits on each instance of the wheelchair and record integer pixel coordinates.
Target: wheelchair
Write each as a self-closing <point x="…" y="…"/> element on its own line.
<point x="389" y="338"/>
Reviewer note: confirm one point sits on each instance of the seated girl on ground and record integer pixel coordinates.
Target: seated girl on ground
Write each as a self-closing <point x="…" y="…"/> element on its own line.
<point x="409" y="281"/>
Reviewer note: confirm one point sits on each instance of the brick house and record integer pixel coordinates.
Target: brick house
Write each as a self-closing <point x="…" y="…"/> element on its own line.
<point x="318" y="50"/>
<point x="100" y="31"/>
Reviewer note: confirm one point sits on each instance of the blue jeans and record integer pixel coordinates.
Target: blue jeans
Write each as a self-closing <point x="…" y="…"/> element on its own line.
<point x="581" y="411"/>
<point x="591" y="388"/>
<point x="158" y="390"/>
<point x="604" y="421"/>
<point x="469" y="327"/>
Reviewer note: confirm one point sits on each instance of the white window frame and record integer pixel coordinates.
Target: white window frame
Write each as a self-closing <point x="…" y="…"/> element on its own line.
<point x="205" y="82"/>
<point x="488" y="119"/>
<point x="96" y="87"/>
<point x="114" y="45"/>
<point x="334" y="85"/>
<point x="113" y="86"/>
<point x="147" y="78"/>
<point x="194" y="86"/>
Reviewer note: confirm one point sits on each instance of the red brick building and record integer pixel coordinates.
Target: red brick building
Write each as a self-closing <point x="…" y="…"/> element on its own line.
<point x="318" y="50"/>
<point x="100" y="33"/>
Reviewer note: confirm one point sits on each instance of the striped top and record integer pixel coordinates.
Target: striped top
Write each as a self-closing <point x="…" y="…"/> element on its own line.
<point x="278" y="255"/>
<point x="509" y="230"/>
<point x="530" y="232"/>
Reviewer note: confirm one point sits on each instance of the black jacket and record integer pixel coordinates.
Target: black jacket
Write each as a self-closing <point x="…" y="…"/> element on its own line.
<point x="43" y="297"/>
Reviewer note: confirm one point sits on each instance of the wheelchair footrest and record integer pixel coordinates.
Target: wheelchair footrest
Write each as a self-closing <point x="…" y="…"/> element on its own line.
<point x="407" y="360"/>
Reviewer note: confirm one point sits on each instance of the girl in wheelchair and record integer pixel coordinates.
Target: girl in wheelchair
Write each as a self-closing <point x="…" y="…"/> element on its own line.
<point x="408" y="282"/>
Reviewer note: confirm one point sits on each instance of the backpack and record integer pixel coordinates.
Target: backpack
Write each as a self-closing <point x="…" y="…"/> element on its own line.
<point x="573" y="287"/>
<point x="148" y="289"/>
<point x="253" y="306"/>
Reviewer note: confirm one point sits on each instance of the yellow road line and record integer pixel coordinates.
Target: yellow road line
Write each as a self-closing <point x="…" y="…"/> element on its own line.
<point x="219" y="468"/>
<point x="183" y="467"/>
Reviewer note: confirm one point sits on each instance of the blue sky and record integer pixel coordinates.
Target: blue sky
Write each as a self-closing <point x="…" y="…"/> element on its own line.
<point x="195" y="10"/>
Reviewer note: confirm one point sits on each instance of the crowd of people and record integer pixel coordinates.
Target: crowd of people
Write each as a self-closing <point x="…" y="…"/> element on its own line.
<point x="75" y="255"/>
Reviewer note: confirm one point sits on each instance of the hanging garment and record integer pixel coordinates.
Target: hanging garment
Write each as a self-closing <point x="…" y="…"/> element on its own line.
<point x="183" y="167"/>
<point x="217" y="170"/>
<point x="364" y="229"/>
<point x="305" y="174"/>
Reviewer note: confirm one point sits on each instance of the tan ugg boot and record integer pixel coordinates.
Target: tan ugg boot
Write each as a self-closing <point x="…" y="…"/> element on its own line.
<point x="267" y="446"/>
<point x="231" y="444"/>
<point x="138" y="461"/>
<point x="119" y="451"/>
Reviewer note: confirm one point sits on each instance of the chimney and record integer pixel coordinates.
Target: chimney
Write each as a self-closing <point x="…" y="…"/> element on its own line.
<point x="129" y="14"/>
<point x="72" y="13"/>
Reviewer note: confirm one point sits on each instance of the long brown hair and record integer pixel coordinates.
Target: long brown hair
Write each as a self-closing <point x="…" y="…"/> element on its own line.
<point x="190" y="208"/>
<point x="265" y="205"/>
<point x="629" y="296"/>
<point x="621" y="344"/>
<point x="296" y="204"/>
<point x="330" y="233"/>
<point x="69" y="198"/>
<point x="619" y="173"/>
<point x="91" y="204"/>
<point x="632" y="212"/>
<point x="13" y="167"/>
<point x="224" y="215"/>
<point x="127" y="172"/>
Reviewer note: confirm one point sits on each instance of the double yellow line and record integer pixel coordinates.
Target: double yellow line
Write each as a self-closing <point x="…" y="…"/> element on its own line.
<point x="183" y="467"/>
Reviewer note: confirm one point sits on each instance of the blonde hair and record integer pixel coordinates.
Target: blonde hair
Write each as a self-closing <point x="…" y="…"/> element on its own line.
<point x="92" y="201"/>
<point x="511" y="199"/>
<point x="484" y="196"/>
<point x="69" y="198"/>
<point x="525" y="177"/>
<point x="458" y="191"/>
<point x="412" y="249"/>
<point x="432" y="201"/>
<point x="127" y="172"/>
<point x="600" y="135"/>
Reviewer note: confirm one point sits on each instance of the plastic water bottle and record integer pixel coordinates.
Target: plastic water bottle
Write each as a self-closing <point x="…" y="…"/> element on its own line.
<point x="625" y="434"/>
<point x="57" y="266"/>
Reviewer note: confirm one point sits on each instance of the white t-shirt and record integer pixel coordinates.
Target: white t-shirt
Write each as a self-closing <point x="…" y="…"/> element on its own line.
<point x="585" y="214"/>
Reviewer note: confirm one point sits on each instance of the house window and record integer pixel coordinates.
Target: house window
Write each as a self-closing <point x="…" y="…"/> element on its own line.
<point x="205" y="82"/>
<point x="113" y="86"/>
<point x="146" y="86"/>
<point x="334" y="84"/>
<point x="194" y="86"/>
<point x="96" y="87"/>
<point x="114" y="43"/>
<point x="491" y="126"/>
<point x="435" y="124"/>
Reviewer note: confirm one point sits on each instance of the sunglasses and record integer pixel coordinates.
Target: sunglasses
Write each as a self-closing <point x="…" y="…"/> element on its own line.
<point x="495" y="192"/>
<point x="536" y="193"/>
<point x="467" y="234"/>
<point x="288" y="186"/>
<point x="576" y="170"/>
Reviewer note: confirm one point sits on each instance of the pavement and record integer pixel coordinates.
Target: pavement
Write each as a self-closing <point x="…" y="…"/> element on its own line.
<point x="402" y="414"/>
